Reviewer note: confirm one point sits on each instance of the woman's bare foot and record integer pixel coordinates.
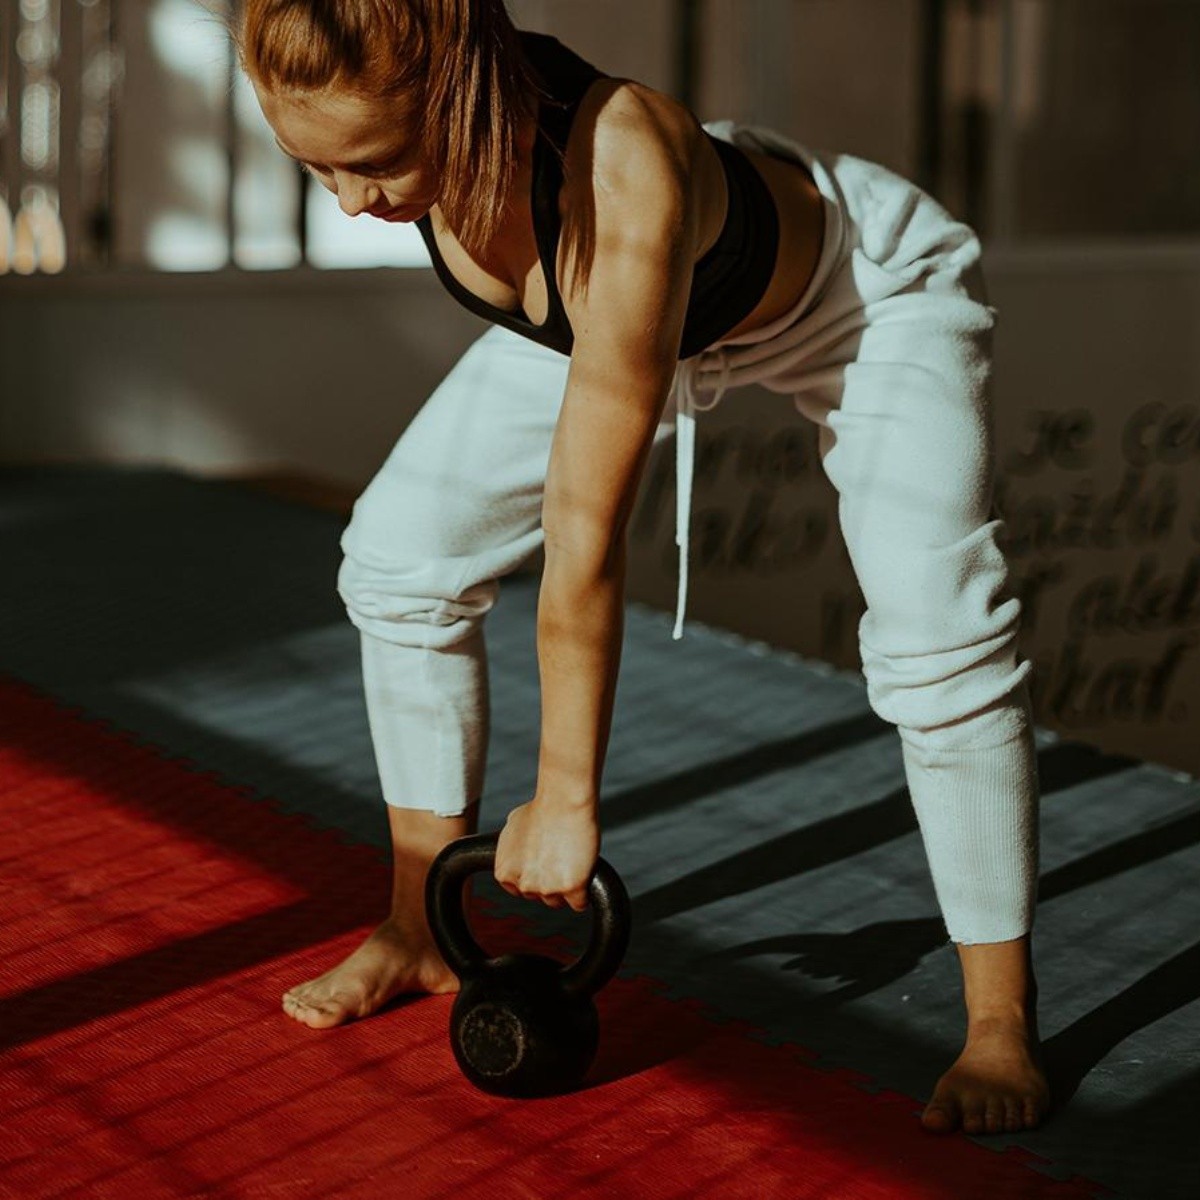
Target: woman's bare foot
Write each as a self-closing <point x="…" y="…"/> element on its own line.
<point x="400" y="956"/>
<point x="387" y="964"/>
<point x="998" y="1083"/>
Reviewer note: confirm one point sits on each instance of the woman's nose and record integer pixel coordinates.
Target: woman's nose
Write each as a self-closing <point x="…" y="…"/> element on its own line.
<point x="355" y="194"/>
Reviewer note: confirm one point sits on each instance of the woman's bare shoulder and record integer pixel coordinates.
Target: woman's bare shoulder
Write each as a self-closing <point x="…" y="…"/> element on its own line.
<point x="626" y="131"/>
<point x="635" y="177"/>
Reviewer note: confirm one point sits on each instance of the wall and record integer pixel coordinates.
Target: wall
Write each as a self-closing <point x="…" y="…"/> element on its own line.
<point x="806" y="69"/>
<point x="318" y="371"/>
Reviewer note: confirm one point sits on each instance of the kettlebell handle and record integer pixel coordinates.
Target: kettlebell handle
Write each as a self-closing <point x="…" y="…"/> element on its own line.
<point x="466" y="856"/>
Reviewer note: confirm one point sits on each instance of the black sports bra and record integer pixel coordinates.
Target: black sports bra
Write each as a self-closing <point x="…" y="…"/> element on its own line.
<point x="729" y="279"/>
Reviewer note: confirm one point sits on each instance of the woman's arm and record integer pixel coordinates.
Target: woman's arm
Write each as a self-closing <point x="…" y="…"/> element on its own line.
<point x="628" y="323"/>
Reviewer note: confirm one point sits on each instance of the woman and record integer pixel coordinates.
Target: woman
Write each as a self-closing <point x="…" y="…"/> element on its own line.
<point x="629" y="257"/>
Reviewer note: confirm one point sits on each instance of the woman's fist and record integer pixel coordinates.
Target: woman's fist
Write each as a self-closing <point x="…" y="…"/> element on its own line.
<point x="548" y="851"/>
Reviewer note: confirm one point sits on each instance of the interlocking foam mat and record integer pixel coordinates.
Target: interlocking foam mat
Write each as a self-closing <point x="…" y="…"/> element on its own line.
<point x="192" y="825"/>
<point x="152" y="917"/>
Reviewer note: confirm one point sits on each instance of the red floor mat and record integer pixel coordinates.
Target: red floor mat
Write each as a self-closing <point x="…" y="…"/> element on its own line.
<point x="150" y="916"/>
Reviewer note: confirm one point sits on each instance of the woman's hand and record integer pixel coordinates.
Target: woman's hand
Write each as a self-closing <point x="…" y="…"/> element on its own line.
<point x="547" y="851"/>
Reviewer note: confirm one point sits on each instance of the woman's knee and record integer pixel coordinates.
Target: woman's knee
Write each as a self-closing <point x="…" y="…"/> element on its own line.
<point x="950" y="700"/>
<point x="425" y="578"/>
<point x="433" y="601"/>
<point x="939" y="646"/>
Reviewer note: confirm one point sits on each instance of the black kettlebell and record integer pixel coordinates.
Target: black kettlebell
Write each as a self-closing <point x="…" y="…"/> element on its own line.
<point x="523" y="1025"/>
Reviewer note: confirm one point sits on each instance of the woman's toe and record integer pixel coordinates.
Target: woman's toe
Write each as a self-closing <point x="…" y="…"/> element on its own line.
<point x="939" y="1117"/>
<point x="973" y="1121"/>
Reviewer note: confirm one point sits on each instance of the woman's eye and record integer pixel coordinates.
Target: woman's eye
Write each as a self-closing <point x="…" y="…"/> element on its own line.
<point x="398" y="162"/>
<point x="382" y="172"/>
<point x="387" y="169"/>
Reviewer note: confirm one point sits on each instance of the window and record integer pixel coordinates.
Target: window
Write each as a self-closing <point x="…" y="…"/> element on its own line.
<point x="129" y="138"/>
<point x="1072" y="119"/>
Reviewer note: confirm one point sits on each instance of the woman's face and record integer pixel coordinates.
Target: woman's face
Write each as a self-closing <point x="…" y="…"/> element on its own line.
<point x="366" y="152"/>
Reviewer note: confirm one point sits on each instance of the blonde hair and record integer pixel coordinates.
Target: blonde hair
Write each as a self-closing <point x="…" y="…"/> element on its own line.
<point x="460" y="61"/>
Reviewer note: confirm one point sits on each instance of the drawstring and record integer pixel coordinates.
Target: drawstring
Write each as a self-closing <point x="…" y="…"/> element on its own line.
<point x="686" y="407"/>
<point x="685" y="455"/>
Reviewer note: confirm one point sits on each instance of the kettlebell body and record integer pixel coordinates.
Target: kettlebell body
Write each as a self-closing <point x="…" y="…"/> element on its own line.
<point x="516" y="1032"/>
<point x="523" y="1025"/>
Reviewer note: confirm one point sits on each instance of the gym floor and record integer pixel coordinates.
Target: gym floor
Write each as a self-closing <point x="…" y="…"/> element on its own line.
<point x="753" y="804"/>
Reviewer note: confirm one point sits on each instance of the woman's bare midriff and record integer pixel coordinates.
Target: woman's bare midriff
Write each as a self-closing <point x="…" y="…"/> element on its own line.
<point x="801" y="224"/>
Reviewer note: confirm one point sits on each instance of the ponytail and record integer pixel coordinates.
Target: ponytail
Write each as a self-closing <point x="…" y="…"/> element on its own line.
<point x="478" y="89"/>
<point x="458" y="61"/>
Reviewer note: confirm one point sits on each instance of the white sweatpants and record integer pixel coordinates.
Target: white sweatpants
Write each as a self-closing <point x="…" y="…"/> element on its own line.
<point x="889" y="352"/>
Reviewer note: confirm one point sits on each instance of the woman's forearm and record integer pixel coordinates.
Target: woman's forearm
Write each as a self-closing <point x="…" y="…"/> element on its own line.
<point x="580" y="623"/>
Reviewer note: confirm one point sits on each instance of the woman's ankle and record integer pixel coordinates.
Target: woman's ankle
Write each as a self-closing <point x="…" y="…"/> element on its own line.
<point x="418" y="836"/>
<point x="998" y="981"/>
